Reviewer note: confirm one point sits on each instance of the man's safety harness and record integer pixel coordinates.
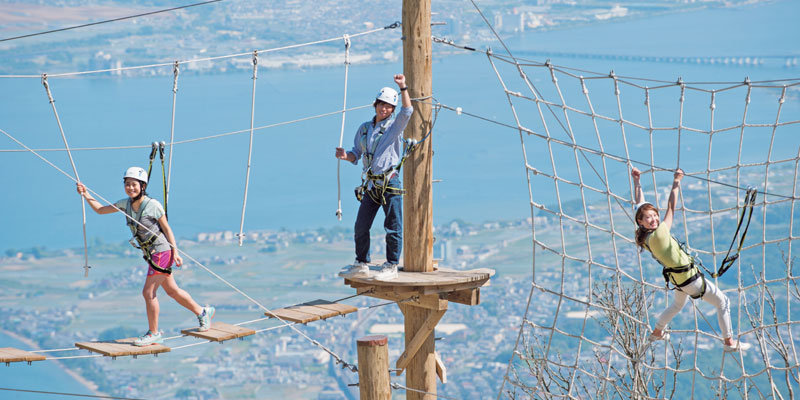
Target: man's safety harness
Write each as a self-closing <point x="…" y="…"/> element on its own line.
<point x="694" y="260"/>
<point x="146" y="245"/>
<point x="380" y="182"/>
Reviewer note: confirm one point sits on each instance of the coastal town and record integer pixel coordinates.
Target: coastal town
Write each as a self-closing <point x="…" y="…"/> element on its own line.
<point x="476" y="354"/>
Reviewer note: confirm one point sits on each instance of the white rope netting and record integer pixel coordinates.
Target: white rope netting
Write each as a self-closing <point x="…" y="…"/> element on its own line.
<point x="594" y="297"/>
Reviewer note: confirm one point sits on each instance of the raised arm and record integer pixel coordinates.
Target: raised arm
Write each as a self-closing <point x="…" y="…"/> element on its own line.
<point x="400" y="80"/>
<point x="638" y="194"/>
<point x="92" y="202"/>
<point x="673" y="198"/>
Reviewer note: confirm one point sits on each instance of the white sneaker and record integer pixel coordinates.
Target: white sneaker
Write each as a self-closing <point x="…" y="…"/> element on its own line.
<point x="148" y="338"/>
<point x="387" y="272"/>
<point x="354" y="270"/>
<point x="654" y="338"/>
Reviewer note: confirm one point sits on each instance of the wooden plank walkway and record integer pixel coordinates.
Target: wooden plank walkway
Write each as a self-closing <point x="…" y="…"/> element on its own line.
<point x="121" y="347"/>
<point x="10" y="354"/>
<point x="312" y="311"/>
<point x="220" y="332"/>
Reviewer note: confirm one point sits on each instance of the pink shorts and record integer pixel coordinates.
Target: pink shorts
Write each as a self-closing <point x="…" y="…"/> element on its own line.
<point x="163" y="260"/>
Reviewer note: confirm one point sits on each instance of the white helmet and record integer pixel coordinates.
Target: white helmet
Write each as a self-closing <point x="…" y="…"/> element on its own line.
<point x="136" y="173"/>
<point x="387" y="95"/>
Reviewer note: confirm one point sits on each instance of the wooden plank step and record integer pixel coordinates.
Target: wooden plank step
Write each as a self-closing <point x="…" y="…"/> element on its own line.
<point x="312" y="311"/>
<point x="342" y="309"/>
<point x="10" y="354"/>
<point x="121" y="347"/>
<point x="292" y="316"/>
<point x="220" y="332"/>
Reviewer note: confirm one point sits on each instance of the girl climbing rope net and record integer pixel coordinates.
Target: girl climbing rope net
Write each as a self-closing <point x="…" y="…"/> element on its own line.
<point x="679" y="268"/>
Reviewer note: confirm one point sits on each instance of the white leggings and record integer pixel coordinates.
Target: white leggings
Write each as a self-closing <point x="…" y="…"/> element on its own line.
<point x="713" y="296"/>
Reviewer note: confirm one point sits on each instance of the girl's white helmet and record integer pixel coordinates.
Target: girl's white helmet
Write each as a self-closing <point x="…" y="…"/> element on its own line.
<point x="387" y="95"/>
<point x="136" y="173"/>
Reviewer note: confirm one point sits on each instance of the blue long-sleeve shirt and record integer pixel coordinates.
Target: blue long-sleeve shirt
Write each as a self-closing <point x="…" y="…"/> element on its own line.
<point x="389" y="146"/>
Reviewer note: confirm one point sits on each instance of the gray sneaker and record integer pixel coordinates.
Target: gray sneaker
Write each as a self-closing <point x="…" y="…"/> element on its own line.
<point x="387" y="272"/>
<point x="148" y="338"/>
<point x="360" y="269"/>
<point x="205" y="319"/>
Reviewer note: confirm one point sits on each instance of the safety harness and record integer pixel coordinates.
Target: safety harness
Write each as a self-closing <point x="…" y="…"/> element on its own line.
<point x="692" y="273"/>
<point x="380" y="182"/>
<point x="146" y="246"/>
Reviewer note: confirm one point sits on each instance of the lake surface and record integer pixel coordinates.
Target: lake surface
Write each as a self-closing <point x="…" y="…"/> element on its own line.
<point x="293" y="181"/>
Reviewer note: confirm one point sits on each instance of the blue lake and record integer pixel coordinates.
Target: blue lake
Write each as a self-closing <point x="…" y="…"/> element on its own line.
<point x="293" y="176"/>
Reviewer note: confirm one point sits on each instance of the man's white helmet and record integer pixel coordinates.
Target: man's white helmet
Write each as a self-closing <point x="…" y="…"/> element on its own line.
<point x="387" y="95"/>
<point x="136" y="173"/>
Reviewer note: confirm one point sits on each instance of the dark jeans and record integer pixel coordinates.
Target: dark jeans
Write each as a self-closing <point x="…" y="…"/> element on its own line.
<point x="393" y="223"/>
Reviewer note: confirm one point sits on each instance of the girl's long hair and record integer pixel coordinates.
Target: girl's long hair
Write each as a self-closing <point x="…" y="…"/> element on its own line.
<point x="642" y="232"/>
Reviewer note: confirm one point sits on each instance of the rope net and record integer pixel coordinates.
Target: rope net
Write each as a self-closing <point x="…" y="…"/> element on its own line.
<point x="594" y="297"/>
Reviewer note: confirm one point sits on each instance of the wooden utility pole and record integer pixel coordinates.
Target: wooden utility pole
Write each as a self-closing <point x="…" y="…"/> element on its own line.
<point x="373" y="368"/>
<point x="422" y="293"/>
<point x="418" y="210"/>
<point x="417" y="215"/>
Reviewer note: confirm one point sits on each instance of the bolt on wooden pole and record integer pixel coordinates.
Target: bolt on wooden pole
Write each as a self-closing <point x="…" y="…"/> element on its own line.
<point x="373" y="368"/>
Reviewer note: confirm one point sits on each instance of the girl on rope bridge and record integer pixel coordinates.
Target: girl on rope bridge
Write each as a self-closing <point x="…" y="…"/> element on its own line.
<point x="679" y="268"/>
<point x="379" y="142"/>
<point x="159" y="250"/>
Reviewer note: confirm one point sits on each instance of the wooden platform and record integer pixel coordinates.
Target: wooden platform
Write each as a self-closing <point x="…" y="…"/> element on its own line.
<point x="10" y="354"/>
<point x="121" y="347"/>
<point x="441" y="280"/>
<point x="220" y="332"/>
<point x="312" y="311"/>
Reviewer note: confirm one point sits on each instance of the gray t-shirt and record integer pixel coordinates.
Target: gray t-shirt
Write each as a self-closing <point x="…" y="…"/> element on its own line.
<point x="149" y="212"/>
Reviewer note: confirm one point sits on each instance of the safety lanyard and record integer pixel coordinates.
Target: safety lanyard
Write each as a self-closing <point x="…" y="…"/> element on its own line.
<point x="727" y="262"/>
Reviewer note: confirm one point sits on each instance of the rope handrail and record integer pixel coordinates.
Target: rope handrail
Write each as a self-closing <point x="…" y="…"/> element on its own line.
<point x="199" y="139"/>
<point x="195" y="60"/>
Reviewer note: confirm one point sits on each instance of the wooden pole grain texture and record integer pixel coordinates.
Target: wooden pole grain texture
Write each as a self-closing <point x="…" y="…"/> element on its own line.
<point x="417" y="177"/>
<point x="373" y="368"/>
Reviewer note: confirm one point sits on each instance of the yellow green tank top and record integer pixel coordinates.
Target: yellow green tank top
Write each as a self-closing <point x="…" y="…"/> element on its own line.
<point x="667" y="251"/>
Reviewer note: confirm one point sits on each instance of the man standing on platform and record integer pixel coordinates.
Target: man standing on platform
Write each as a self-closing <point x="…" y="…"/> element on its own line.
<point x="379" y="143"/>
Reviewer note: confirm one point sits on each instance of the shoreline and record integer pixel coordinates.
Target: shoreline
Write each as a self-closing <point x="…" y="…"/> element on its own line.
<point x="91" y="386"/>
